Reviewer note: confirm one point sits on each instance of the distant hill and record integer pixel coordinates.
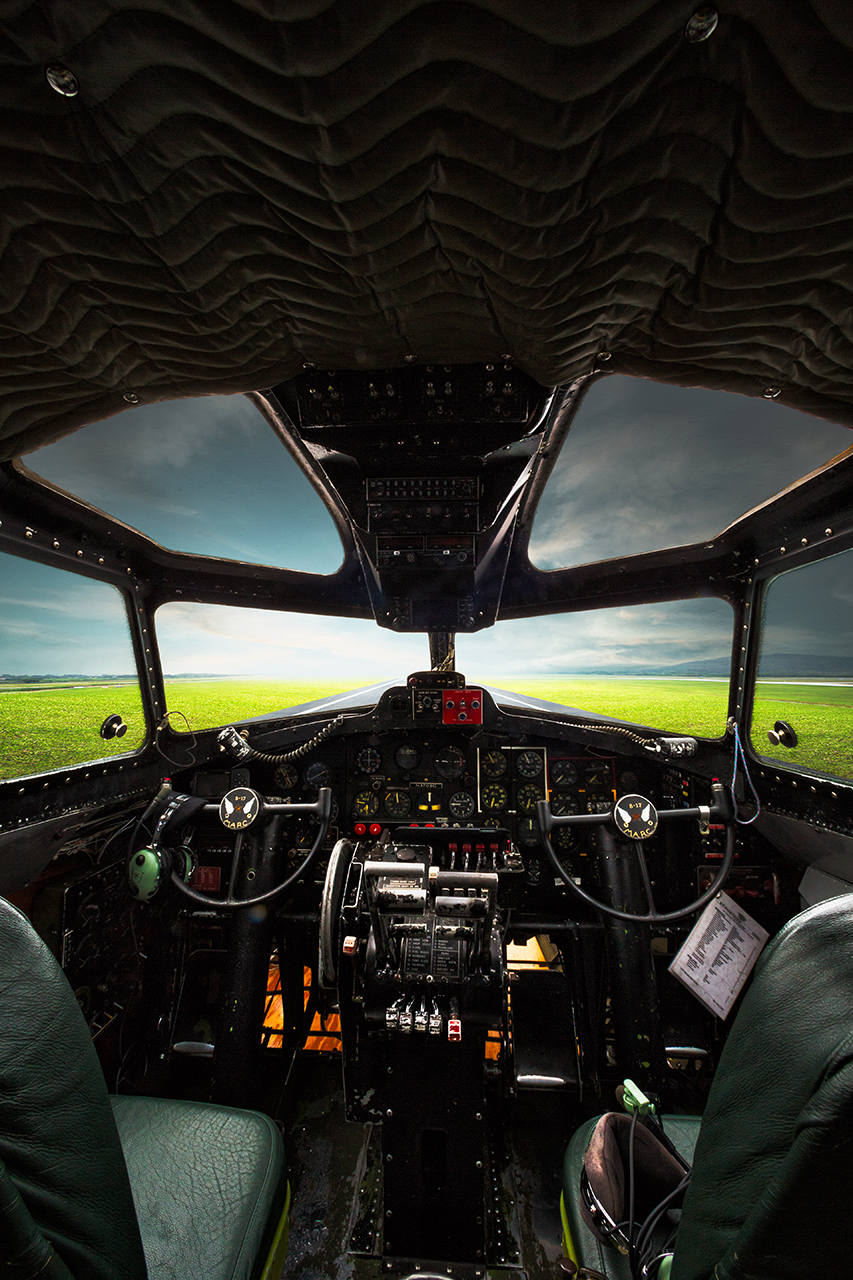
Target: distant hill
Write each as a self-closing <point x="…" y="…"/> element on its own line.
<point x="800" y="666"/>
<point x="6" y="677"/>
<point x="774" y="666"/>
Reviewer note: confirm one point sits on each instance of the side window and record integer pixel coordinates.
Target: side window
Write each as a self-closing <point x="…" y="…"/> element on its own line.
<point x="805" y="669"/>
<point x="66" y="667"/>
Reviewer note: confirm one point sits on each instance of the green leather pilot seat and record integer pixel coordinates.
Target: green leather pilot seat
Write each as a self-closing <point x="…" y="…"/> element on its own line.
<point x="772" y="1186"/>
<point x="94" y="1188"/>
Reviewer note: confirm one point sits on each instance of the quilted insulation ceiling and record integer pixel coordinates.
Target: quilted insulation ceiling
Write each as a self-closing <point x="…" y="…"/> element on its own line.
<point x="226" y="191"/>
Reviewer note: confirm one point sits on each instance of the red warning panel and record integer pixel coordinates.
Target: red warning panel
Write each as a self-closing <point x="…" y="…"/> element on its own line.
<point x="462" y="706"/>
<point x="206" y="879"/>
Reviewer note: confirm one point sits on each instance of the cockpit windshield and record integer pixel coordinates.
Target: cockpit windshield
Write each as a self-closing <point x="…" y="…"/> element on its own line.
<point x="647" y="466"/>
<point x="205" y="476"/>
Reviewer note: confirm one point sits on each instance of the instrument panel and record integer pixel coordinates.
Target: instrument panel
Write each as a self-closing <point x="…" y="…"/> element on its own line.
<point x="412" y="762"/>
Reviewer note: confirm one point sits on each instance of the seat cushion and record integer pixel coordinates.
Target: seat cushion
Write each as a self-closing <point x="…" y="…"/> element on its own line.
<point x="682" y="1131"/>
<point x="58" y="1139"/>
<point x="209" y="1185"/>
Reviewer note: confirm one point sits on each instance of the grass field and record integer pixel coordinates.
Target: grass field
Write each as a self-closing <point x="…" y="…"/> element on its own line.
<point x="821" y="714"/>
<point x="52" y="726"/>
<point x="46" y="727"/>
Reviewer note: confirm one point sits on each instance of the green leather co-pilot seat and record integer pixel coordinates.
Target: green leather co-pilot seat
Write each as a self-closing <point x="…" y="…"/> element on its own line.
<point x="97" y="1188"/>
<point x="772" y="1177"/>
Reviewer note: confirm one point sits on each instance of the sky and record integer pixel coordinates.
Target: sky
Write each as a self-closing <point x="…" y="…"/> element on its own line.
<point x="645" y="466"/>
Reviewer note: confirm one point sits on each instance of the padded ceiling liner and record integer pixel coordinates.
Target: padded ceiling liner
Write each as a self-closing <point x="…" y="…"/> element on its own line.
<point x="237" y="189"/>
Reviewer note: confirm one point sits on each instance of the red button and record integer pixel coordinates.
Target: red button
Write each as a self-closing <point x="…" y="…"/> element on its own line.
<point x="360" y="829"/>
<point x="375" y="829"/>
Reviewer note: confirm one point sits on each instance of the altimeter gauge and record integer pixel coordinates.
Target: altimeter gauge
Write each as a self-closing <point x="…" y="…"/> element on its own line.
<point x="317" y="775"/>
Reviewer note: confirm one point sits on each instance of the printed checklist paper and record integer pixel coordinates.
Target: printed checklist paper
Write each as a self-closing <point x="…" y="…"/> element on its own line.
<point x="717" y="957"/>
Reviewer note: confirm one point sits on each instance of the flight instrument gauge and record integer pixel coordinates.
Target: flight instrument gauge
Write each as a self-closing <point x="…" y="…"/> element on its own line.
<point x="397" y="804"/>
<point x="562" y="804"/>
<point x="407" y="756"/>
<point x="368" y="760"/>
<point x="461" y="805"/>
<point x="494" y="796"/>
<point x="317" y="775"/>
<point x="529" y="764"/>
<point x="598" y="802"/>
<point x="493" y="764"/>
<point x="563" y="773"/>
<point x="596" y="776"/>
<point x="286" y="777"/>
<point x="365" y="805"/>
<point x="528" y="797"/>
<point x="565" y="839"/>
<point x="450" y="762"/>
<point x="527" y="833"/>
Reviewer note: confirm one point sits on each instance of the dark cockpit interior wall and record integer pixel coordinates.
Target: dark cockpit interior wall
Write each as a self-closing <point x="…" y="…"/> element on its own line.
<point x="340" y="291"/>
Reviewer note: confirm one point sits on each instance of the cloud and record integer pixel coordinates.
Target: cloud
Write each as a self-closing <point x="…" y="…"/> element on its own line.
<point x="206" y="476"/>
<point x="647" y="466"/>
<point x="81" y="599"/>
<point x="601" y="640"/>
<point x="228" y="640"/>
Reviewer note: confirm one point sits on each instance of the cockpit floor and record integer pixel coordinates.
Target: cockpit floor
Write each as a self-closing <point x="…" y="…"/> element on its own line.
<point x="336" y="1174"/>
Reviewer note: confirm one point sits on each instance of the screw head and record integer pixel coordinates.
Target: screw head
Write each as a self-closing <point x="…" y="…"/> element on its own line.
<point x="702" y="25"/>
<point x="61" y="80"/>
<point x="131" y="397"/>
